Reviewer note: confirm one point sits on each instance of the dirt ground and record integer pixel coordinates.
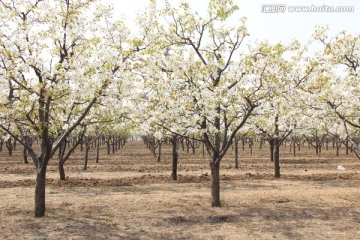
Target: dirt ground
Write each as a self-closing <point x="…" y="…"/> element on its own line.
<point x="128" y="195"/>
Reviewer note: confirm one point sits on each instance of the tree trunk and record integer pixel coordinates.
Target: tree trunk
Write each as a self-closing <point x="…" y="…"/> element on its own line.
<point x="276" y="158"/>
<point x="271" y="144"/>
<point x="251" y="147"/>
<point x="25" y="155"/>
<point x="276" y="149"/>
<point x="61" y="170"/>
<point x="174" y="158"/>
<point x="62" y="160"/>
<point x="40" y="191"/>
<point x="203" y="149"/>
<point x="97" y="150"/>
<point x="159" y="153"/>
<point x="236" y="143"/>
<point x="87" y="148"/>
<point x="215" y="182"/>
<point x="188" y="145"/>
<point x="10" y="146"/>
<point x="294" y="147"/>
<point x="337" y="148"/>
<point x="108" y="146"/>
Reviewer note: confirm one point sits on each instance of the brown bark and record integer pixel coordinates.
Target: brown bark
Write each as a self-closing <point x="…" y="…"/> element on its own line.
<point x="86" y="158"/>
<point x="276" y="157"/>
<point x="174" y="157"/>
<point x="203" y="149"/>
<point x="113" y="145"/>
<point x="159" y="143"/>
<point x="40" y="191"/>
<point x="97" y="150"/>
<point x="215" y="182"/>
<point x="251" y="143"/>
<point x="236" y="143"/>
<point x="108" y="145"/>
<point x="61" y="170"/>
<point x="294" y="146"/>
<point x="271" y="144"/>
<point x="63" y="158"/>
<point x="25" y="155"/>
<point x="10" y="145"/>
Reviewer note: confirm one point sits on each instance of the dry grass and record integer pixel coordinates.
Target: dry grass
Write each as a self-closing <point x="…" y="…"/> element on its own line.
<point x="130" y="196"/>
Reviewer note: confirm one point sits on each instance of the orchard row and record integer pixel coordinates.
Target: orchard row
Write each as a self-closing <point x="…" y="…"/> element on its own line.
<point x="69" y="70"/>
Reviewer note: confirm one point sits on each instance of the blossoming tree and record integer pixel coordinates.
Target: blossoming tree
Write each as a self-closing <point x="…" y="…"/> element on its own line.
<point x="54" y="69"/>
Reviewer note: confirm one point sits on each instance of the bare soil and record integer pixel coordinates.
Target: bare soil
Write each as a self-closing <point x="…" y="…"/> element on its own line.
<point x="128" y="195"/>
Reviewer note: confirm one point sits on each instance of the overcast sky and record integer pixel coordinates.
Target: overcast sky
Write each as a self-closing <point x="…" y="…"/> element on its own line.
<point x="274" y="27"/>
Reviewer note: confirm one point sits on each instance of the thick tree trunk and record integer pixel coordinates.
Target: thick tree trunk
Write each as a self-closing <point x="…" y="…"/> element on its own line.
<point x="40" y="191"/>
<point x="215" y="183"/>
<point x="271" y="144"/>
<point x="276" y="157"/>
<point x="174" y="158"/>
<point x="61" y="170"/>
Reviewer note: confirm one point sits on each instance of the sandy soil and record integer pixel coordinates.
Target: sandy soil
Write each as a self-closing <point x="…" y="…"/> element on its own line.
<point x="128" y="195"/>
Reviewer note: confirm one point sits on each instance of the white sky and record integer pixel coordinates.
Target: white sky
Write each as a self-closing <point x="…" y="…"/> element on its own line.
<point x="271" y="26"/>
